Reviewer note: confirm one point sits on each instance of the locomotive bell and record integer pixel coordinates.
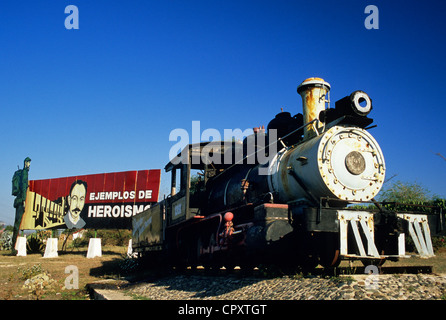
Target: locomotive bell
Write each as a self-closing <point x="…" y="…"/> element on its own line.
<point x="314" y="93"/>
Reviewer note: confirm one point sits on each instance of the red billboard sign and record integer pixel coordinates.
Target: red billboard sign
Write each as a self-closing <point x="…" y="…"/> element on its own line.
<point x="97" y="201"/>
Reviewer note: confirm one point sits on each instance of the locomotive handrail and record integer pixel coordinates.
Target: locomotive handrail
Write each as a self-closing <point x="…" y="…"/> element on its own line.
<point x="300" y="128"/>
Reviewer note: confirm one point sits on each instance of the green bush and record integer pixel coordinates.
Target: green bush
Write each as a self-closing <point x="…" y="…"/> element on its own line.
<point x="439" y="242"/>
<point x="34" y="243"/>
<point x="6" y="240"/>
<point x="115" y="237"/>
<point x="29" y="272"/>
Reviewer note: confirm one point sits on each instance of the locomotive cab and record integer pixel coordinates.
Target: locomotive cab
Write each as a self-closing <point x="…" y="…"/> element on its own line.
<point x="155" y="229"/>
<point x="190" y="171"/>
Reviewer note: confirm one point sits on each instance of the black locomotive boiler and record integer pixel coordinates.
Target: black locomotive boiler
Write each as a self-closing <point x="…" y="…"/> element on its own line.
<point x="283" y="195"/>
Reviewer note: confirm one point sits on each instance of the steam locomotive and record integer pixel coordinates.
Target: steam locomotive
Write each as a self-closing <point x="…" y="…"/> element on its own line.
<point x="283" y="195"/>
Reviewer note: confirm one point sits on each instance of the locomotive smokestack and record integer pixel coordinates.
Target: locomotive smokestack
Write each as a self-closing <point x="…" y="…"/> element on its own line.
<point x="314" y="93"/>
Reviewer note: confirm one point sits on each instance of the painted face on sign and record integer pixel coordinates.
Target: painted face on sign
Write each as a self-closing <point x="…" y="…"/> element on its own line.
<point x="76" y="200"/>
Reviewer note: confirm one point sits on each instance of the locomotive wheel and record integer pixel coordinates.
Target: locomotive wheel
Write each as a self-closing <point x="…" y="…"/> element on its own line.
<point x="329" y="253"/>
<point x="212" y="243"/>
<point x="229" y="266"/>
<point x="308" y="263"/>
<point x="210" y="261"/>
<point x="330" y="260"/>
<point x="199" y="250"/>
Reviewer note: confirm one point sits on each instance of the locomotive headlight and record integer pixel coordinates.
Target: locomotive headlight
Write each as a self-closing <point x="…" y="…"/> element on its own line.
<point x="361" y="103"/>
<point x="357" y="104"/>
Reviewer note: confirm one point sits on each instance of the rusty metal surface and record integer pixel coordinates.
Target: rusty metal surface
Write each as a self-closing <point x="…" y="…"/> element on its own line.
<point x="336" y="166"/>
<point x="148" y="227"/>
<point x="314" y="93"/>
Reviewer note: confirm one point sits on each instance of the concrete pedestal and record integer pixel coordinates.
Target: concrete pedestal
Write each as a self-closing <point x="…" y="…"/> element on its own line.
<point x="20" y="246"/>
<point x="51" y="248"/>
<point x="94" y="248"/>
<point x="130" y="252"/>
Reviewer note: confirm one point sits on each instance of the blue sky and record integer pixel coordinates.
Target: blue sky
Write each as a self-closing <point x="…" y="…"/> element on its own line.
<point x="105" y="97"/>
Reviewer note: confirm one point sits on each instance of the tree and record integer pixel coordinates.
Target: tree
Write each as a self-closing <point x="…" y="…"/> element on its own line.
<point x="405" y="192"/>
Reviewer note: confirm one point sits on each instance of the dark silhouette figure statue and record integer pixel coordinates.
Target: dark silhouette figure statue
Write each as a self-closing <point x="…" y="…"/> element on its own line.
<point x="19" y="188"/>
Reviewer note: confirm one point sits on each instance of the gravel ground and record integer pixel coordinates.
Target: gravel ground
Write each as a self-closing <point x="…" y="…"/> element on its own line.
<point x="352" y="287"/>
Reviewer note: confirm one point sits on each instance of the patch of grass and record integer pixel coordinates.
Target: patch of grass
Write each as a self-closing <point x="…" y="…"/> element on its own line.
<point x="14" y="271"/>
<point x="138" y="297"/>
<point x="25" y="273"/>
<point x="79" y="294"/>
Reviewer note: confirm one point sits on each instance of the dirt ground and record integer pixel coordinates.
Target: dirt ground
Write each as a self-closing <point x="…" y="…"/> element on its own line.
<point x="15" y="270"/>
